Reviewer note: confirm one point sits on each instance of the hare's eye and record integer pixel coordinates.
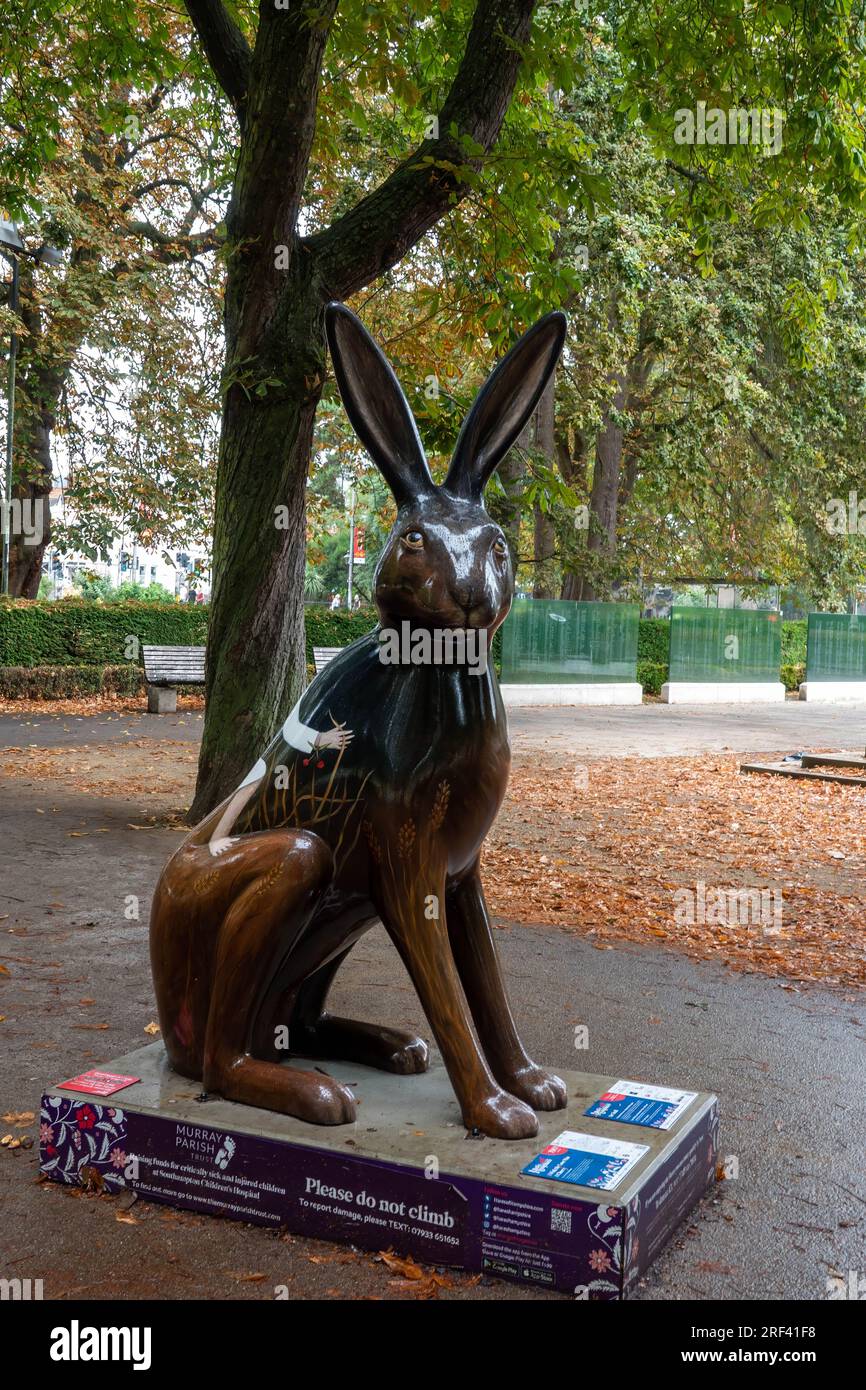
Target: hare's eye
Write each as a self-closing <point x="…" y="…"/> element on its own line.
<point x="499" y="546"/>
<point x="414" y="540"/>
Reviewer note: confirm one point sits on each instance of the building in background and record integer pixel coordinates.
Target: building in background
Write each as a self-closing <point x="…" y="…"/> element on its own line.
<point x="182" y="572"/>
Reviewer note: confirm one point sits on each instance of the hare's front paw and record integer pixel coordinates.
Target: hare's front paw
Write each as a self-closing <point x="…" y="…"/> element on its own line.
<point x="503" y="1117"/>
<point x="539" y="1088"/>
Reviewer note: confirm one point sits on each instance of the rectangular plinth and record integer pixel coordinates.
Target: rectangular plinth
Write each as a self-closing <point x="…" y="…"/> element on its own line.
<point x="833" y="692"/>
<point x="722" y="692"/>
<point x="587" y="693"/>
<point x="404" y="1176"/>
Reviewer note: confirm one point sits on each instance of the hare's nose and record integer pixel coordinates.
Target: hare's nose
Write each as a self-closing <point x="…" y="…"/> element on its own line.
<point x="463" y="595"/>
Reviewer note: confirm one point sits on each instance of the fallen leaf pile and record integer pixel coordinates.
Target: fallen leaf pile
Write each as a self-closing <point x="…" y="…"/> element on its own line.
<point x="93" y="704"/>
<point x="134" y="769"/>
<point x="601" y="848"/>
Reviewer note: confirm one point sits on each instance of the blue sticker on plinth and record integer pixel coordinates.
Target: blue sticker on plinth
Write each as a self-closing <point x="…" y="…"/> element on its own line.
<point x="633" y="1103"/>
<point x="587" y="1160"/>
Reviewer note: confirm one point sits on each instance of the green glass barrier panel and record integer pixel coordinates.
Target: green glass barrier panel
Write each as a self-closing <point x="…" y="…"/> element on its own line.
<point x="836" y="647"/>
<point x="725" y="644"/>
<point x="561" y="642"/>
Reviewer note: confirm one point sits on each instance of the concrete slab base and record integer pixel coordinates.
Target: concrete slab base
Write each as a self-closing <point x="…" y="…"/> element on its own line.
<point x="806" y="773"/>
<point x="722" y="692"/>
<point x="834" y="692"/>
<point x="161" y="699"/>
<point x="584" y="693"/>
<point x="405" y="1175"/>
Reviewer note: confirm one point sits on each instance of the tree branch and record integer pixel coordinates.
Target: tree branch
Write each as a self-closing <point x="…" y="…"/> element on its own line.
<point x="172" y="247"/>
<point x="381" y="228"/>
<point x="226" y="48"/>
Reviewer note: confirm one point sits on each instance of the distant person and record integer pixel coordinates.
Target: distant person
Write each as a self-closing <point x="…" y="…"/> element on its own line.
<point x="335" y="601"/>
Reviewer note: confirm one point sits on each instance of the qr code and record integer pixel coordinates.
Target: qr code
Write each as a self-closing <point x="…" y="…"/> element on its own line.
<point x="560" y="1220"/>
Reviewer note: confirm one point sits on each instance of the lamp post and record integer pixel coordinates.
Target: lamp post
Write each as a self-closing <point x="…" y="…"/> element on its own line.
<point x="11" y="247"/>
<point x="351" y="550"/>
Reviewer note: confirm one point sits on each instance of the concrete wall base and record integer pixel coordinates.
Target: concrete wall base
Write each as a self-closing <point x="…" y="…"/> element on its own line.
<point x="588" y="693"/>
<point x="722" y="692"/>
<point x="834" y="692"/>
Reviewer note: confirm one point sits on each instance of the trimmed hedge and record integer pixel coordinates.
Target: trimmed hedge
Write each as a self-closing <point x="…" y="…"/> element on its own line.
<point x="653" y="640"/>
<point x="68" y="682"/>
<point x="79" y="632"/>
<point x="89" y="640"/>
<point x="337" y="629"/>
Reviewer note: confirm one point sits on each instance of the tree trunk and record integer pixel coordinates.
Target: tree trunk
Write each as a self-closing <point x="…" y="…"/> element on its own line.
<point x="39" y="384"/>
<point x="277" y="286"/>
<point x="544" y="534"/>
<point x="604" y="498"/>
<point x="506" y="510"/>
<point x="25" y="558"/>
<point x="256" y="660"/>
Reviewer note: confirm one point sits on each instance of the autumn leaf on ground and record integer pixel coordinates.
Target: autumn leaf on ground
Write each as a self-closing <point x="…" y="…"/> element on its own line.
<point x="19" y="1118"/>
<point x="151" y="1029"/>
<point x="429" y="1287"/>
<point x="91" y="1180"/>
<point x="408" y="1269"/>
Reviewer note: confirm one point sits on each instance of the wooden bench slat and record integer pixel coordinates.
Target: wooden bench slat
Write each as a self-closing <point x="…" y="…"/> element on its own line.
<point x="322" y="655"/>
<point x="174" y="665"/>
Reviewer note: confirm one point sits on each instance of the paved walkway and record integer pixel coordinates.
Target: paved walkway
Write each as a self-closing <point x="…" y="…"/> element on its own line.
<point x="651" y="730"/>
<point x="656" y="730"/>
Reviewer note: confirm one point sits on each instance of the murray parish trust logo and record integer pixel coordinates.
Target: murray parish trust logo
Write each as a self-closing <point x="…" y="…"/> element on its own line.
<point x="434" y="647"/>
<point x="205" y="1145"/>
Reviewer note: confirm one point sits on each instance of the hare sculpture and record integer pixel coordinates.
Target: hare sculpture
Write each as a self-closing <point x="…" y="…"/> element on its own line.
<point x="371" y="803"/>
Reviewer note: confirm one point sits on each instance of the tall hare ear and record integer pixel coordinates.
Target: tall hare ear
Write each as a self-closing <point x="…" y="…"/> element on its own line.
<point x="376" y="406"/>
<point x="503" y="406"/>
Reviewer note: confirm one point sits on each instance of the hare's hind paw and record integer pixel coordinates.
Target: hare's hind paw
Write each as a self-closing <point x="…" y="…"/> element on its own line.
<point x="539" y="1088"/>
<point x="369" y="1044"/>
<point x="308" y="1095"/>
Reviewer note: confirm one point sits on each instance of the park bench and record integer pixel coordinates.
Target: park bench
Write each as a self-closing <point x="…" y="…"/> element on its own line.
<point x="322" y="655"/>
<point x="165" y="668"/>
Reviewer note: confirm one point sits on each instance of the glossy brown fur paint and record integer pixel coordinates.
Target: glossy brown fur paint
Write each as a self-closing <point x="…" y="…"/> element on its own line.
<point x="372" y="803"/>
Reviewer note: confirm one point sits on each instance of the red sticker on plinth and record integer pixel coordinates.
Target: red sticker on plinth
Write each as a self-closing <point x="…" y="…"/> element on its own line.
<point x="98" y="1083"/>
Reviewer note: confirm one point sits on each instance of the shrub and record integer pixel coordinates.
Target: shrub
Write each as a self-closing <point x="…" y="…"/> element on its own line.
<point x="792" y="673"/>
<point x="652" y="676"/>
<point x="654" y="640"/>
<point x="794" y="642"/>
